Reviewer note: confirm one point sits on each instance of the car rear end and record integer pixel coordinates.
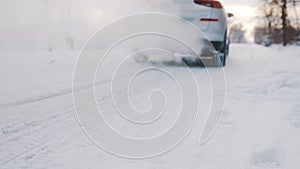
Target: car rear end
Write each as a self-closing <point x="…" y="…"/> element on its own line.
<point x="210" y="17"/>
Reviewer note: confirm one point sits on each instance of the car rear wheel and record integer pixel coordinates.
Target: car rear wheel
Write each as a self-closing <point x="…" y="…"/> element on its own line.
<point x="224" y="51"/>
<point x="222" y="60"/>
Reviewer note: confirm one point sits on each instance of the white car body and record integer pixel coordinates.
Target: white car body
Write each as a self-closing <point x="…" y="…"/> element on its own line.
<point x="210" y="17"/>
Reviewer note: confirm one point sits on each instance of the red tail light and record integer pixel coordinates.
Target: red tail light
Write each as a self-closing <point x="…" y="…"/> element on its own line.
<point x="209" y="3"/>
<point x="209" y="19"/>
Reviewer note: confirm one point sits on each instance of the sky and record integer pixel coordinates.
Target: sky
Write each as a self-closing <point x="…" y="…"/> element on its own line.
<point x="244" y="12"/>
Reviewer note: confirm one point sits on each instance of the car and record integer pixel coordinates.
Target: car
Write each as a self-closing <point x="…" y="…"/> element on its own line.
<point x="210" y="17"/>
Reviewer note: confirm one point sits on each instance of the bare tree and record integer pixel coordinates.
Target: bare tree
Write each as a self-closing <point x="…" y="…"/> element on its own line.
<point x="276" y="14"/>
<point x="284" y="21"/>
<point x="296" y="13"/>
<point x="271" y="13"/>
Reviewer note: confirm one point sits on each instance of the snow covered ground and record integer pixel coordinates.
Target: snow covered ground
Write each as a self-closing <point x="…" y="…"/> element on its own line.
<point x="260" y="127"/>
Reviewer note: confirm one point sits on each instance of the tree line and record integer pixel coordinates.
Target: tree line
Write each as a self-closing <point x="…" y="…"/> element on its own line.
<point x="280" y="27"/>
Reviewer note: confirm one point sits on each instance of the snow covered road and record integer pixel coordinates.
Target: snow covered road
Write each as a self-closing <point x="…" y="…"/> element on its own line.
<point x="260" y="127"/>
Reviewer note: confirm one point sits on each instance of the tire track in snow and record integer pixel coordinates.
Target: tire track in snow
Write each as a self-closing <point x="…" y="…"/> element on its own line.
<point x="34" y="136"/>
<point x="56" y="94"/>
<point x="33" y="139"/>
<point x="26" y="126"/>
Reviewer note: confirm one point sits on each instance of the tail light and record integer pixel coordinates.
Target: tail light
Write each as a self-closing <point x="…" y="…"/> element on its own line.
<point x="209" y="3"/>
<point x="209" y="19"/>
